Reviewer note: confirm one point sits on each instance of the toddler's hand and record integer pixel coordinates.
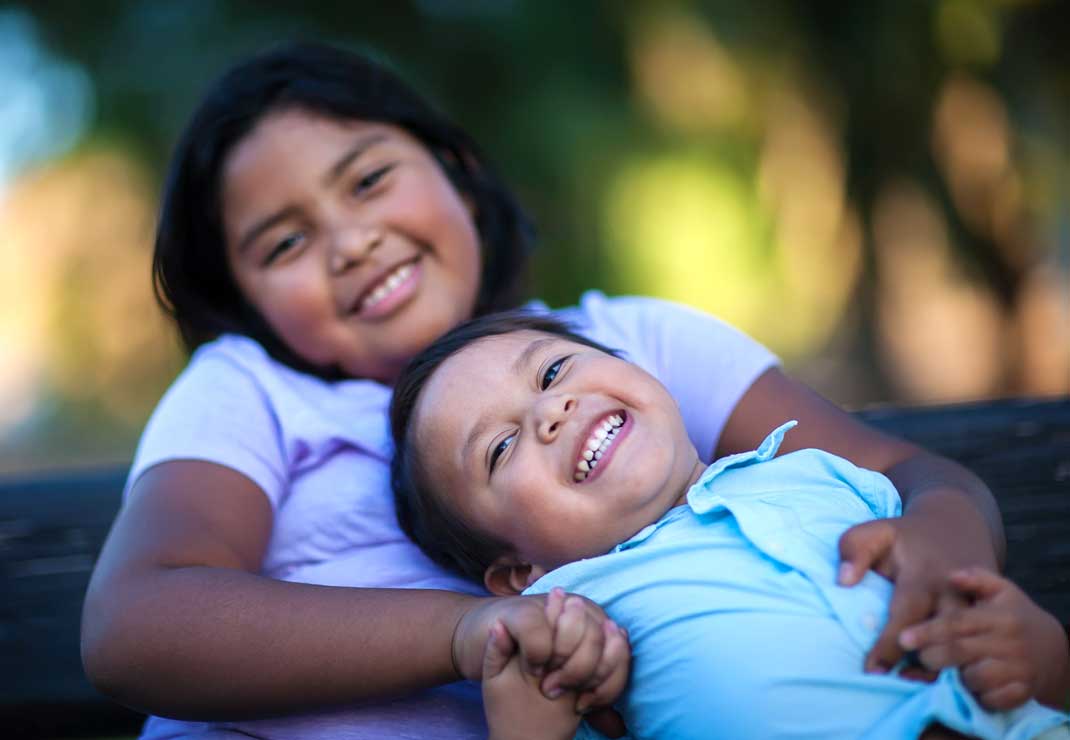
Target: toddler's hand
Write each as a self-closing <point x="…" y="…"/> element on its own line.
<point x="571" y="639"/>
<point x="1008" y="649"/>
<point x="591" y="658"/>
<point x="515" y="706"/>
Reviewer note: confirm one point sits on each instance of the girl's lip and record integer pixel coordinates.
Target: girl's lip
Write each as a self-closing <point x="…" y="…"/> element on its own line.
<point x="398" y="296"/>
<point x="603" y="463"/>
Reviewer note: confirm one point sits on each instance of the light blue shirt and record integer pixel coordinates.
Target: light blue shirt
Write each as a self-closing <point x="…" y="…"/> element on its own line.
<point x="737" y="626"/>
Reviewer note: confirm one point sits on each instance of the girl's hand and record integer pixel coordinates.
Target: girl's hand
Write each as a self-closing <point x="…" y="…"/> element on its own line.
<point x="569" y="641"/>
<point x="515" y="706"/>
<point x="918" y="553"/>
<point x="1007" y="647"/>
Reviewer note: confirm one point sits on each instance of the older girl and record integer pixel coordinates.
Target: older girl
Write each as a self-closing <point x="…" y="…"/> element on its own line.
<point x="320" y="225"/>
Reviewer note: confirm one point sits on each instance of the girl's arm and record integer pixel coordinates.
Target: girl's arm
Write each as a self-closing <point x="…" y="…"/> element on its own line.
<point x="177" y="623"/>
<point x="950" y="519"/>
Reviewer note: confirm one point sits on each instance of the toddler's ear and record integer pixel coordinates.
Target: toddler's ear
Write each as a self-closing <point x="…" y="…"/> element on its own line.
<point x="509" y="576"/>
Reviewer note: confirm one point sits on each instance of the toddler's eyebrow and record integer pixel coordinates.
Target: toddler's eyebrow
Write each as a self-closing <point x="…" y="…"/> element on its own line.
<point x="524" y="358"/>
<point x="519" y="365"/>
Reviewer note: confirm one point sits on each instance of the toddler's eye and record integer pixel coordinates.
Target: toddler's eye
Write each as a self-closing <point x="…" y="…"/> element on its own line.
<point x="284" y="245"/>
<point x="551" y="373"/>
<point x="499" y="449"/>
<point x="372" y="179"/>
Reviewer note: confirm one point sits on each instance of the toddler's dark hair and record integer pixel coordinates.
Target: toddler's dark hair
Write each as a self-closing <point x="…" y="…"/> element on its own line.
<point x="425" y="515"/>
<point x="191" y="276"/>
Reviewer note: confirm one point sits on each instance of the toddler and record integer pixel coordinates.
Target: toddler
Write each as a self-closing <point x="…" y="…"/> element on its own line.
<point x="530" y="458"/>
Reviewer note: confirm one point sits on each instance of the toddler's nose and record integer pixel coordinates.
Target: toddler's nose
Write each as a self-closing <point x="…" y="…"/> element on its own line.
<point x="552" y="410"/>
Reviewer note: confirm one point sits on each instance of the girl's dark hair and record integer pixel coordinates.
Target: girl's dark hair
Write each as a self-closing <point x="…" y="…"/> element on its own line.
<point x="191" y="276"/>
<point x="424" y="514"/>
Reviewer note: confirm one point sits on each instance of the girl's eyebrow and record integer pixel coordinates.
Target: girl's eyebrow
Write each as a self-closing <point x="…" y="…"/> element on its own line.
<point x="351" y="155"/>
<point x="263" y="225"/>
<point x="362" y="145"/>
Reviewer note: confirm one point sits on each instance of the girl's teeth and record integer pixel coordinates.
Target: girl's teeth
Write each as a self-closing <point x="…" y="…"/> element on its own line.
<point x="588" y="454"/>
<point x="584" y="466"/>
<point x="386" y="287"/>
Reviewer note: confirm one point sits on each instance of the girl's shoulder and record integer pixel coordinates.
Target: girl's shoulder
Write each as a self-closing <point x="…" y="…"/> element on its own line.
<point x="233" y="379"/>
<point x="641" y="326"/>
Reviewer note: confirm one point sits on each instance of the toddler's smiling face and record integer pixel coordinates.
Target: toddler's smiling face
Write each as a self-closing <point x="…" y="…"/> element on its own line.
<point x="561" y="450"/>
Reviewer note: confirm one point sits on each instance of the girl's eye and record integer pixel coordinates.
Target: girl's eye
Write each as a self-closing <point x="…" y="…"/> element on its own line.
<point x="551" y="373"/>
<point x="283" y="246"/>
<point x="371" y="179"/>
<point x="499" y="450"/>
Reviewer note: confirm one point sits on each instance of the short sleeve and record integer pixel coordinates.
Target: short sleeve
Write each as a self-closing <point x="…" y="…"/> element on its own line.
<point x="706" y="364"/>
<point x="216" y="411"/>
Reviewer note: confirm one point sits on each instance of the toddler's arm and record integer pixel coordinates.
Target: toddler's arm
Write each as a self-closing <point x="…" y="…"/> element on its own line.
<point x="1008" y="649"/>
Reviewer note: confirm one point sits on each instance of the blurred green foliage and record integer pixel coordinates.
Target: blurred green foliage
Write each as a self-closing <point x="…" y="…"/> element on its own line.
<point x="734" y="155"/>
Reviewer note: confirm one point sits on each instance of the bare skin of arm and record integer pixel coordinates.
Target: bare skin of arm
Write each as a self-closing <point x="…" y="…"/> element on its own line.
<point x="181" y="560"/>
<point x="950" y="519"/>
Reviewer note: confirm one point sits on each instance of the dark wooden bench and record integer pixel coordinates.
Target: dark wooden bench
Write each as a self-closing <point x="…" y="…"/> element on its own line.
<point x="52" y="525"/>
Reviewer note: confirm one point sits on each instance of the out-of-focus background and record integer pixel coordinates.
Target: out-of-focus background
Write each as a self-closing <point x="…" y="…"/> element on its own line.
<point x="879" y="191"/>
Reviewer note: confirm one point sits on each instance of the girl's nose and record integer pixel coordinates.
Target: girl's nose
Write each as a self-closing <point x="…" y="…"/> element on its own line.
<point x="353" y="244"/>
<point x="551" y="413"/>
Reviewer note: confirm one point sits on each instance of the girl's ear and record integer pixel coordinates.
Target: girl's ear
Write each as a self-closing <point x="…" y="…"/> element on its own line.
<point x="508" y="576"/>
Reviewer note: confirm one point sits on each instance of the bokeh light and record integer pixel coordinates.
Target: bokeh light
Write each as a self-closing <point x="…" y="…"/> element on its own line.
<point x="880" y="192"/>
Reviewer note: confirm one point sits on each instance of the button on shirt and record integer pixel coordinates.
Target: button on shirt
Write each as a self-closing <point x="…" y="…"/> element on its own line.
<point x="738" y="628"/>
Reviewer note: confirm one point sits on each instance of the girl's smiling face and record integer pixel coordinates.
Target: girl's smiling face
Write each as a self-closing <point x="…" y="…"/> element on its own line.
<point x="349" y="239"/>
<point x="504" y="428"/>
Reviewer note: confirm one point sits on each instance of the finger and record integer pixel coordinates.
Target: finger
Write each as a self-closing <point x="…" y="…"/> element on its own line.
<point x="534" y="637"/>
<point x="988" y="675"/>
<point x="908" y="607"/>
<point x="945" y="628"/>
<point x="864" y="547"/>
<point x="612" y="673"/>
<point x="1006" y="697"/>
<point x="979" y="583"/>
<point x="555" y="604"/>
<point x="582" y="657"/>
<point x="500" y="648"/>
<point x="569" y="630"/>
<point x="950" y="600"/>
<point x="959" y="652"/>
